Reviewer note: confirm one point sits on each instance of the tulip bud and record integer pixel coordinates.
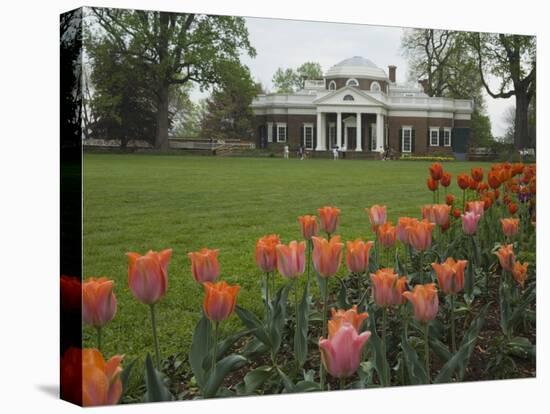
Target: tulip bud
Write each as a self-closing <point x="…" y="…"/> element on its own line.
<point x="308" y="225"/>
<point x="463" y="181"/>
<point x="377" y="215"/>
<point x="220" y="300"/>
<point x="432" y="184"/>
<point x="266" y="254"/>
<point x="477" y="174"/>
<point x="330" y="217"/>
<point x="204" y="265"/>
<point x="436" y="171"/>
<point x="506" y="257"/>
<point x="446" y="179"/>
<point x="519" y="272"/>
<point x="387" y="234"/>
<point x="449" y="199"/>
<point x="148" y="275"/>
<point x="98" y="301"/>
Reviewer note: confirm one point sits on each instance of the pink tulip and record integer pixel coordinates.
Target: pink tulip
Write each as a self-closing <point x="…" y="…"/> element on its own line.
<point x="341" y="354"/>
<point x="148" y="275"/>
<point x="291" y="259"/>
<point x="478" y="207"/>
<point x="469" y="222"/>
<point x="377" y="215"/>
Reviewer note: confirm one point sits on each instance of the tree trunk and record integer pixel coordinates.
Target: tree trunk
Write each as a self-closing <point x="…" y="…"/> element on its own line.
<point x="161" y="139"/>
<point x="521" y="133"/>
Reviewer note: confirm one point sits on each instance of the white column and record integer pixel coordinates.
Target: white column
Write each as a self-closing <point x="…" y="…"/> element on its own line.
<point x="358" y="133"/>
<point x="319" y="147"/>
<point x="379" y="133"/>
<point x="339" y="129"/>
<point x="323" y="131"/>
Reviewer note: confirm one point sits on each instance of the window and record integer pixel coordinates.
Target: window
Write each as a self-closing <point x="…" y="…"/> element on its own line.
<point x="352" y="82"/>
<point x="447" y="137"/>
<point x="434" y="137"/>
<point x="348" y="98"/>
<point x="375" y="87"/>
<point x="332" y="134"/>
<point x="373" y="137"/>
<point x="308" y="136"/>
<point x="270" y="132"/>
<point x="332" y="86"/>
<point x="281" y="132"/>
<point x="406" y="139"/>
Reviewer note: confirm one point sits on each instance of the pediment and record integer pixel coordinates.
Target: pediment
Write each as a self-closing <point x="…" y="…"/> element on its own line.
<point x="348" y="95"/>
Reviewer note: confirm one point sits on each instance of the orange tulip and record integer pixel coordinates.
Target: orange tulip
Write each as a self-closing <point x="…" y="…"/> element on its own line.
<point x="148" y="275"/>
<point x="291" y="259"/>
<point x="493" y="180"/>
<point x="533" y="186"/>
<point x="432" y="184"/>
<point x="101" y="383"/>
<point x="387" y="234"/>
<point x="204" y="265"/>
<point x="428" y="213"/>
<point x="388" y="287"/>
<point x="342" y="316"/>
<point x="449" y="199"/>
<point x="420" y="235"/>
<point x="329" y="218"/>
<point x="357" y="255"/>
<point x="482" y="187"/>
<point x="424" y="301"/>
<point x="477" y="174"/>
<point x="477" y="207"/>
<point x="510" y="226"/>
<point x="463" y="181"/>
<point x="506" y="257"/>
<point x="327" y="255"/>
<point x="220" y="300"/>
<point x="436" y="171"/>
<point x="308" y="225"/>
<point x="472" y="184"/>
<point x="517" y="168"/>
<point x="446" y="179"/>
<point x="512" y="208"/>
<point x="377" y="215"/>
<point x="519" y="272"/>
<point x="450" y="275"/>
<point x="266" y="254"/>
<point x="403" y="227"/>
<point x="98" y="301"/>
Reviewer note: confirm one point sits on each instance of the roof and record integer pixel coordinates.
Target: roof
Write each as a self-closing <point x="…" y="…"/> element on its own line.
<point x="356" y="66"/>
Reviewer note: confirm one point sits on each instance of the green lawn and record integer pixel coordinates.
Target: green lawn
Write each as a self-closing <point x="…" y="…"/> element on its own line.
<point x="142" y="202"/>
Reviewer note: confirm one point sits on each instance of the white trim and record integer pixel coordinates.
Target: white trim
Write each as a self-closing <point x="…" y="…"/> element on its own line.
<point x="270" y="132"/>
<point x="463" y="116"/>
<point x="432" y="130"/>
<point x="449" y="130"/>
<point x="408" y="128"/>
<point x="348" y="82"/>
<point x="373" y="84"/>
<point x="282" y="126"/>
<point x="421" y="114"/>
<point x="332" y="86"/>
<point x="304" y="142"/>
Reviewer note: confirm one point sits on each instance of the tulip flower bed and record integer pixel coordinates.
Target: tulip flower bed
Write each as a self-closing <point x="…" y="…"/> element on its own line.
<point x="445" y="292"/>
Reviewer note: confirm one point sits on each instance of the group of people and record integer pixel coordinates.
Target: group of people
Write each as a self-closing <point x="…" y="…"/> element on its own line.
<point x="302" y="154"/>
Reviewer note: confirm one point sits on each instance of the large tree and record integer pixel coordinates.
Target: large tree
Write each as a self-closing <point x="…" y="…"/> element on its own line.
<point x="290" y="80"/>
<point x="512" y="60"/>
<point x="227" y="113"/>
<point x="442" y="61"/>
<point x="171" y="49"/>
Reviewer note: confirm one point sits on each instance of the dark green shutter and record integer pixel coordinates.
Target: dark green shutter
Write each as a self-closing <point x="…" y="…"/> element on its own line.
<point x="400" y="139"/>
<point x="302" y="136"/>
<point x="441" y="137"/>
<point x="412" y="140"/>
<point x="429" y="142"/>
<point x="314" y="137"/>
<point x="275" y="137"/>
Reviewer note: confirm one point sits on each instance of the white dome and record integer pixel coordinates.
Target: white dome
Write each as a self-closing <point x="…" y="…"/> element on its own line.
<point x="356" y="67"/>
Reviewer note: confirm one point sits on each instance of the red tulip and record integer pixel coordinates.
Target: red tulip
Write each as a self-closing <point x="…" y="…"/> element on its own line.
<point x="456" y="213"/>
<point x="98" y="301"/>
<point x="477" y="174"/>
<point x="330" y="217"/>
<point x="436" y="171"/>
<point x="493" y="180"/>
<point x="449" y="199"/>
<point x="432" y="184"/>
<point x="512" y="208"/>
<point x="463" y="181"/>
<point x="148" y="275"/>
<point x="71" y="294"/>
<point x="446" y="179"/>
<point x="220" y="300"/>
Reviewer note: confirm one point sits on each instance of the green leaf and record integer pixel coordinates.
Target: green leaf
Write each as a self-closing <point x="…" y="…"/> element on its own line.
<point x="440" y="349"/>
<point x="254" y="324"/>
<point x="156" y="391"/>
<point x="256" y="378"/>
<point x="278" y="319"/>
<point x="417" y="372"/>
<point x="521" y="347"/>
<point x="365" y="373"/>
<point x="125" y="375"/>
<point x="287" y="383"/>
<point x="460" y="359"/>
<point x="323" y="284"/>
<point x="505" y="310"/>
<point x="300" y="335"/>
<point x="380" y="363"/>
<point x="200" y="347"/>
<point x="307" y="386"/>
<point x="223" y="347"/>
<point x="469" y="279"/>
<point x="528" y="297"/>
<point x="399" y="268"/>
<point x="342" y="300"/>
<point x="223" y="367"/>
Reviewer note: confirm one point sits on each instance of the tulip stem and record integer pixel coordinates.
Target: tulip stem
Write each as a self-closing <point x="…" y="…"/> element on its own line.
<point x="266" y="296"/>
<point x="322" y="370"/>
<point x="427" y="350"/>
<point x="98" y="338"/>
<point x="155" y="339"/>
<point x="308" y="260"/>
<point x="384" y="350"/>
<point x="215" y="346"/>
<point x="453" y="337"/>
<point x="342" y="383"/>
<point x="463" y="200"/>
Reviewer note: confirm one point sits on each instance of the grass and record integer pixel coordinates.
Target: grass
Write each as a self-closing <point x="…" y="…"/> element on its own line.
<point x="142" y="202"/>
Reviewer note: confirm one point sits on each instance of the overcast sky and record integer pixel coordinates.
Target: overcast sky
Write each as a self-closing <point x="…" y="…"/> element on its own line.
<point x="289" y="43"/>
